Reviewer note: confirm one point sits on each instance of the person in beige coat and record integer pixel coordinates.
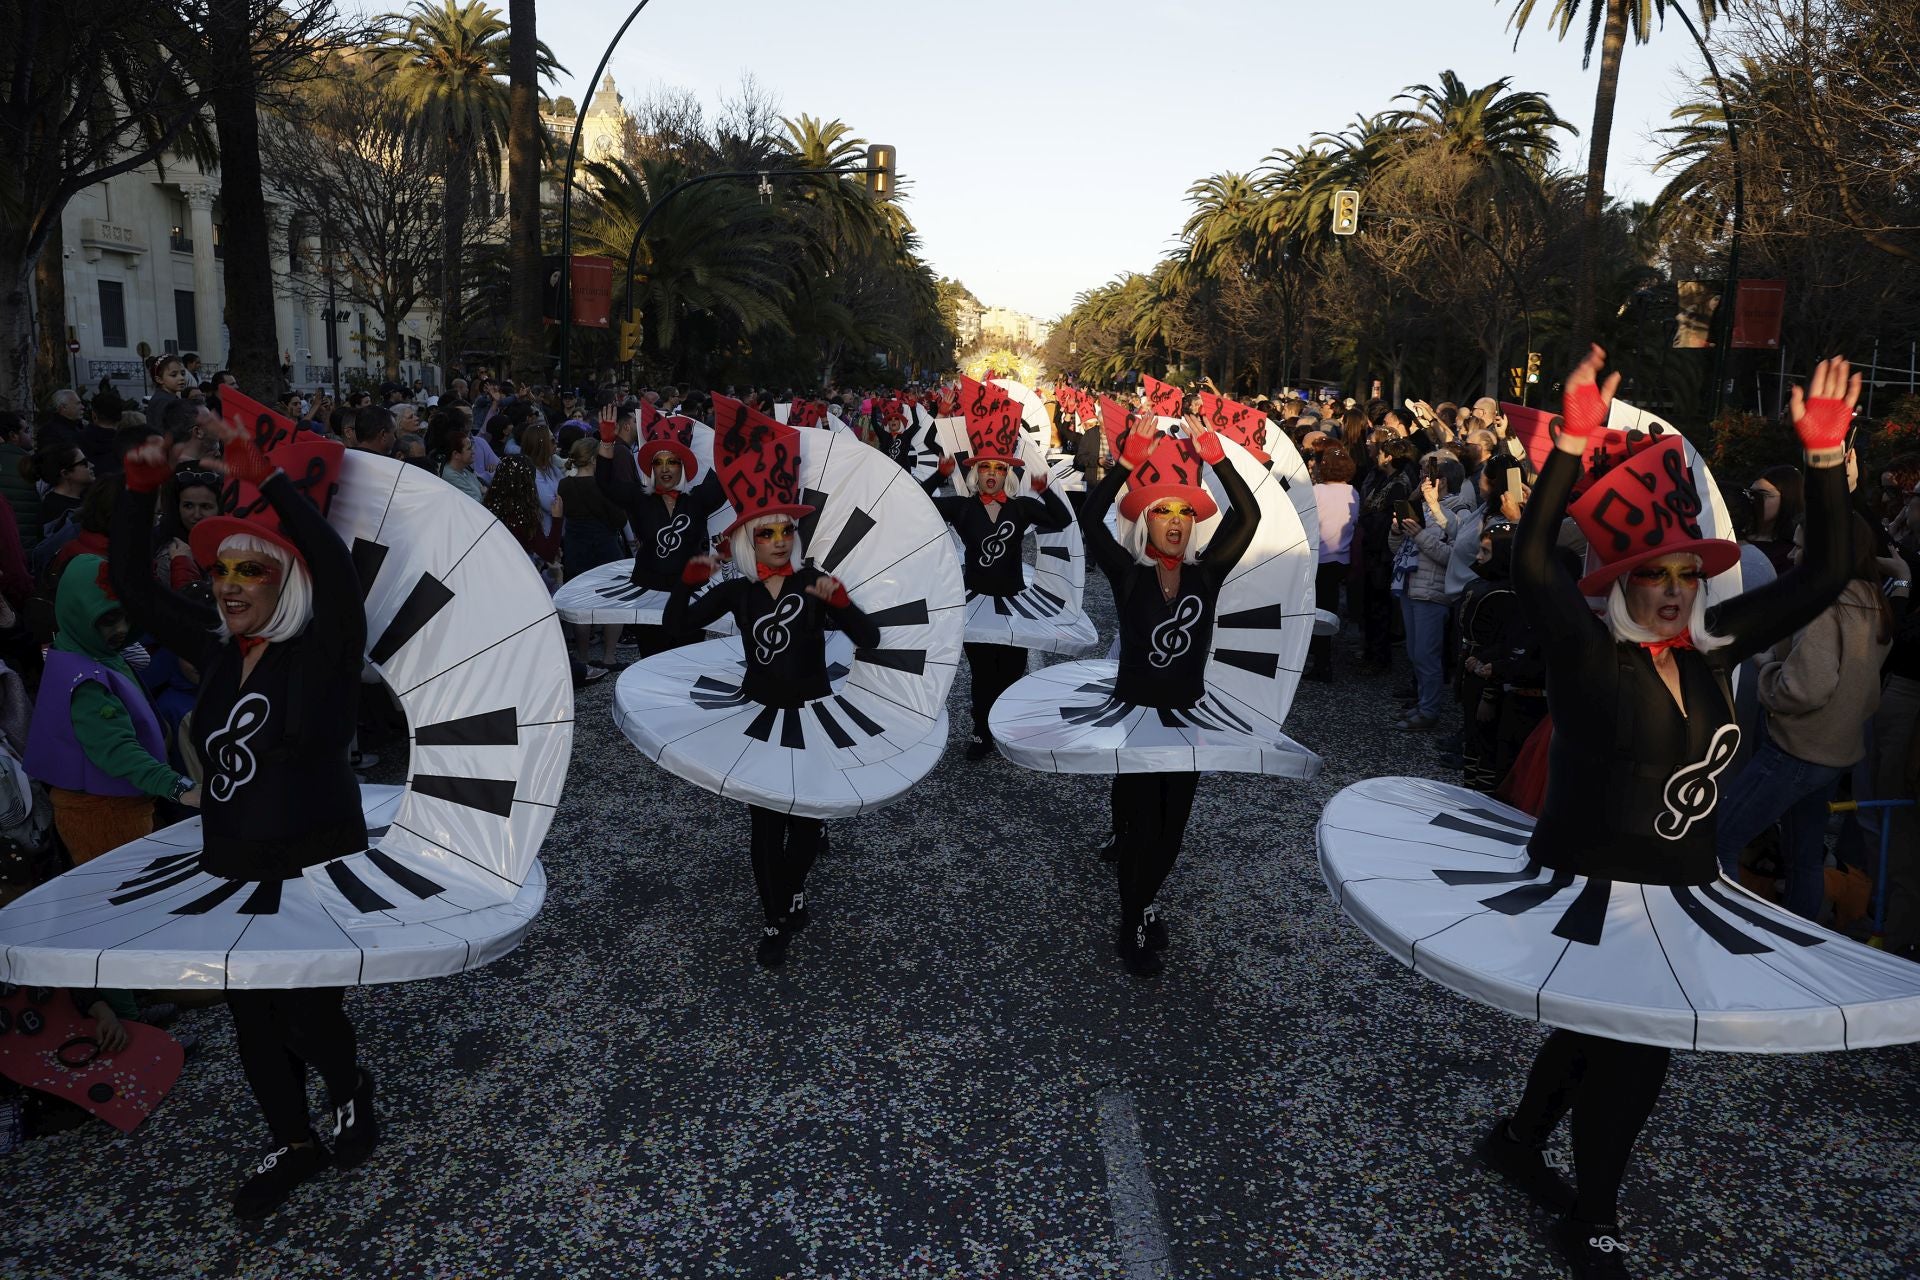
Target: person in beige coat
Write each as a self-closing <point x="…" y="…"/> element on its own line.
<point x="1818" y="691"/>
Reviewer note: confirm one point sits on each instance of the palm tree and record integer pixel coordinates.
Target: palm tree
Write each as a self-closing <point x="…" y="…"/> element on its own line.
<point x="524" y="152"/>
<point x="1507" y="136"/>
<point x="1608" y="22"/>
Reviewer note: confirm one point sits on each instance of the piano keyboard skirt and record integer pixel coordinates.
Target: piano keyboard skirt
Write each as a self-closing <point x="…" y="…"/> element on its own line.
<point x="884" y="726"/>
<point x="462" y="630"/>
<point x="1439" y="877"/>
<point x="608" y="595"/>
<point x="1065" y="719"/>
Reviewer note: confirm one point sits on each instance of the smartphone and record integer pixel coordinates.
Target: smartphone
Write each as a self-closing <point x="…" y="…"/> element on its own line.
<point x="1515" y="487"/>
<point x="1402" y="509"/>
<point x="1515" y="448"/>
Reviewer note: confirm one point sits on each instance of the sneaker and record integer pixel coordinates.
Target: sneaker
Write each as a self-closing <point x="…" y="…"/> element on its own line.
<point x="1527" y="1168"/>
<point x="1141" y="960"/>
<point x="979" y="749"/>
<point x="1156" y="931"/>
<point x="161" y="1015"/>
<point x="1593" y="1250"/>
<point x="1110" y="851"/>
<point x="772" y="950"/>
<point x="355" y="1127"/>
<point x="275" y="1178"/>
<point x="362" y="760"/>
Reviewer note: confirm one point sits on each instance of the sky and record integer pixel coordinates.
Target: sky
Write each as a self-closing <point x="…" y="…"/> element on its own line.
<point x="1048" y="144"/>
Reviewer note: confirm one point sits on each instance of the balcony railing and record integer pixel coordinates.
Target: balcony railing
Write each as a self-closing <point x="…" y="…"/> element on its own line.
<point x="98" y="369"/>
<point x="180" y="243"/>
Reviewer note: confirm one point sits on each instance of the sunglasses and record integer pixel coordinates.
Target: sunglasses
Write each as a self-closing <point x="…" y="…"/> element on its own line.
<point x="1172" y="510"/>
<point x="196" y="480"/>
<point x="1667" y="577"/>
<point x="250" y="572"/>
<point x="773" y="533"/>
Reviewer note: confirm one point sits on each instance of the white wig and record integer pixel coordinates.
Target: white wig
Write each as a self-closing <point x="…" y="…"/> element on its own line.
<point x="1626" y="631"/>
<point x="1133" y="539"/>
<point x="963" y="482"/>
<point x="295" y="609"/>
<point x="743" y="558"/>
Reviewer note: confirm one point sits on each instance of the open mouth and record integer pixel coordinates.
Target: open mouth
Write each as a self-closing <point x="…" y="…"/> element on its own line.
<point x="1669" y="613"/>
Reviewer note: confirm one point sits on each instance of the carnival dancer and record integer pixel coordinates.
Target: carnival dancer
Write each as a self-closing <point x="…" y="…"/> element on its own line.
<point x="1607" y="919"/>
<point x="783" y="611"/>
<point x="992" y="527"/>
<point x="667" y="513"/>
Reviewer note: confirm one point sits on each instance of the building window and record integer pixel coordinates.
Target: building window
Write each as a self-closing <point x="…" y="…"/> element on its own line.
<point x="184" y="322"/>
<point x="113" y="314"/>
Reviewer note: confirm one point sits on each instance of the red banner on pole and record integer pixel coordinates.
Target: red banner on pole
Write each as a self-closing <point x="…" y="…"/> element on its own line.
<point x="1758" y="307"/>
<point x="592" y="292"/>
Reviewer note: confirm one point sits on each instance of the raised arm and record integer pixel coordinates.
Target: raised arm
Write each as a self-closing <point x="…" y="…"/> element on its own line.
<point x="1234" y="534"/>
<point x="1102" y="546"/>
<point x="1046" y="510"/>
<point x="338" y="604"/>
<point x="190" y="629"/>
<point x="1552" y="600"/>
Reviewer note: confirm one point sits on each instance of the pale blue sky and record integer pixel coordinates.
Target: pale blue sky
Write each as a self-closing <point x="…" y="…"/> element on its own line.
<point x="1050" y="144"/>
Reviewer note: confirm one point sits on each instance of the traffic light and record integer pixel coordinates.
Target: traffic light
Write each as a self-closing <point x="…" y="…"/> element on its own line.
<point x="1519" y="383"/>
<point x="629" y="341"/>
<point x="1346" y="212"/>
<point x="882" y="166"/>
<point x="1533" y="366"/>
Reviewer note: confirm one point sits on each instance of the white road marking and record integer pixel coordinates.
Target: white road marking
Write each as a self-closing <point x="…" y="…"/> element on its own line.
<point x="1137" y="1228"/>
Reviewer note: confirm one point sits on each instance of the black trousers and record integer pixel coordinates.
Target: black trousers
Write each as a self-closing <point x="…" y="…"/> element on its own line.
<point x="1150" y="812"/>
<point x="280" y="1035"/>
<point x="1326" y="595"/>
<point x="783" y="849"/>
<point x="995" y="668"/>
<point x="1476" y="735"/>
<point x="1611" y="1087"/>
<point x="1377" y="612"/>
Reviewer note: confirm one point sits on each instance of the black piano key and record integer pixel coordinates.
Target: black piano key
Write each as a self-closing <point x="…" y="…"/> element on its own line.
<point x="1269" y="617"/>
<point x="367" y="559"/>
<point x="1731" y="940"/>
<point x="715" y="686"/>
<point x="1197" y="717"/>
<point x="1058" y="602"/>
<point x="1503" y="835"/>
<point x="1285" y="484"/>
<point x="1057" y="553"/>
<point x="838" y="671"/>
<point x="184" y="862"/>
<point x="487" y="729"/>
<point x="1000" y="605"/>
<point x="793" y="731"/>
<point x="911" y="614"/>
<point x="1020" y="607"/>
<point x="490" y="795"/>
<point x="1528" y="872"/>
<point x="404" y="876"/>
<point x="1528" y="896"/>
<point x="714" y="701"/>
<point x="1263" y="665"/>
<point x="913" y="661"/>
<point x="762" y="727"/>
<point x="1583" y="921"/>
<point x="1096" y="686"/>
<point x="864" y="722"/>
<point x="263" y="901"/>
<point x="839" y="736"/>
<point x="428" y="597"/>
<point x="178" y="877"/>
<point x="1226" y="713"/>
<point x="355" y="890"/>
<point x="1121" y="710"/>
<point x="1505" y="820"/>
<point x="809" y="522"/>
<point x="1086" y="715"/>
<point x="1171" y="718"/>
<point x="1785" y="933"/>
<point x="172" y="860"/>
<point x="858" y="526"/>
<point x="208" y="901"/>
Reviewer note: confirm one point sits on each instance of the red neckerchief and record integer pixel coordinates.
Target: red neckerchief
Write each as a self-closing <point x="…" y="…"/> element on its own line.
<point x="768" y="571"/>
<point x="1655" y="648"/>
<point x="1165" y="562"/>
<point x="248" y="644"/>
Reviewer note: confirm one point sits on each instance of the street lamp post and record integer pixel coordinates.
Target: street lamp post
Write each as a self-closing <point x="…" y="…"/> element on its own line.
<point x="1724" y="320"/>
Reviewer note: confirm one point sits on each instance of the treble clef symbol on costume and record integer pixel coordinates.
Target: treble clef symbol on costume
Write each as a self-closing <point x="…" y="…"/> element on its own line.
<point x="227" y="746"/>
<point x="772" y="635"/>
<point x="668" y="540"/>
<point x="1172" y="638"/>
<point x="1694" y="789"/>
<point x="994" y="545"/>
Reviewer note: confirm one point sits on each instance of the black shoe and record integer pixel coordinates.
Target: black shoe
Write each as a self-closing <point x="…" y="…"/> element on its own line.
<point x="1157" y="934"/>
<point x="979" y="748"/>
<point x="355" y="1128"/>
<point x="1141" y="960"/>
<point x="794" y="921"/>
<point x="1593" y="1250"/>
<point x="772" y="951"/>
<point x="275" y="1178"/>
<point x="1525" y="1167"/>
<point x="1110" y="851"/>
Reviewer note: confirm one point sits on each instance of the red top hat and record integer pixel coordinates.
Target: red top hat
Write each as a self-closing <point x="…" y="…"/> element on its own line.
<point x="1162" y="397"/>
<point x="661" y="434"/>
<point x="758" y="461"/>
<point x="806" y="413"/>
<point x="1645" y="507"/>
<point x="1243" y="424"/>
<point x="1606" y="450"/>
<point x="311" y="463"/>
<point x="1115" y="418"/>
<point x="1171" y="470"/>
<point x="993" y="423"/>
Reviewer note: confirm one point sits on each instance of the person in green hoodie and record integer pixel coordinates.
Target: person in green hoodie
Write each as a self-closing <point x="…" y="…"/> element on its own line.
<point x="95" y="740"/>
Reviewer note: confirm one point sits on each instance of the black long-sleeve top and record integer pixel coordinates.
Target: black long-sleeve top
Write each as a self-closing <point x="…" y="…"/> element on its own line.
<point x="993" y="566"/>
<point x="785" y="637"/>
<point x="1164" y="643"/>
<point x="1632" y="781"/>
<point x="278" y="793"/>
<point x="665" y="538"/>
<point x="899" y="446"/>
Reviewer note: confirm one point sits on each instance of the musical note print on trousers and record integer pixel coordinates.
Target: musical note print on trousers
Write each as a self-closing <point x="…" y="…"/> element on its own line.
<point x="232" y="758"/>
<point x="995" y="544"/>
<point x="772" y="634"/>
<point x="668" y="540"/>
<point x="1694" y="789"/>
<point x="1172" y="638"/>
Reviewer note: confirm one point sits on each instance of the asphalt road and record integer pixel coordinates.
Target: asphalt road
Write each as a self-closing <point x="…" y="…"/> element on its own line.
<point x="953" y="1077"/>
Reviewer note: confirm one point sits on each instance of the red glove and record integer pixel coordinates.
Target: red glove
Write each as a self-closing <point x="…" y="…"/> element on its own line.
<point x="696" y="573"/>
<point x="1135" y="447"/>
<point x="1210" y="449"/>
<point x="1039" y="482"/>
<point x="946" y="465"/>
<point x="606" y="431"/>
<point x="1823" y="426"/>
<point x="244" y="462"/>
<point x="1582" y="411"/>
<point x="143" y="476"/>
<point x="839" y="599"/>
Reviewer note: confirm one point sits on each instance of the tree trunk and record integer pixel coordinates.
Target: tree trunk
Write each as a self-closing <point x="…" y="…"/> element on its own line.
<point x="452" y="245"/>
<point x="52" y="366"/>
<point x="16" y="332"/>
<point x="523" y="188"/>
<point x="1613" y="43"/>
<point x="390" y="348"/>
<point x="253" y="350"/>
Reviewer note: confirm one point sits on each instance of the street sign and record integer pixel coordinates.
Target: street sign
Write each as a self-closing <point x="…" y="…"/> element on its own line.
<point x="73" y="346"/>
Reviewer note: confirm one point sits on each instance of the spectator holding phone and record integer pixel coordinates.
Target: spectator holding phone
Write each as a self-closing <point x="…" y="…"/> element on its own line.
<point x="1421" y="549"/>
